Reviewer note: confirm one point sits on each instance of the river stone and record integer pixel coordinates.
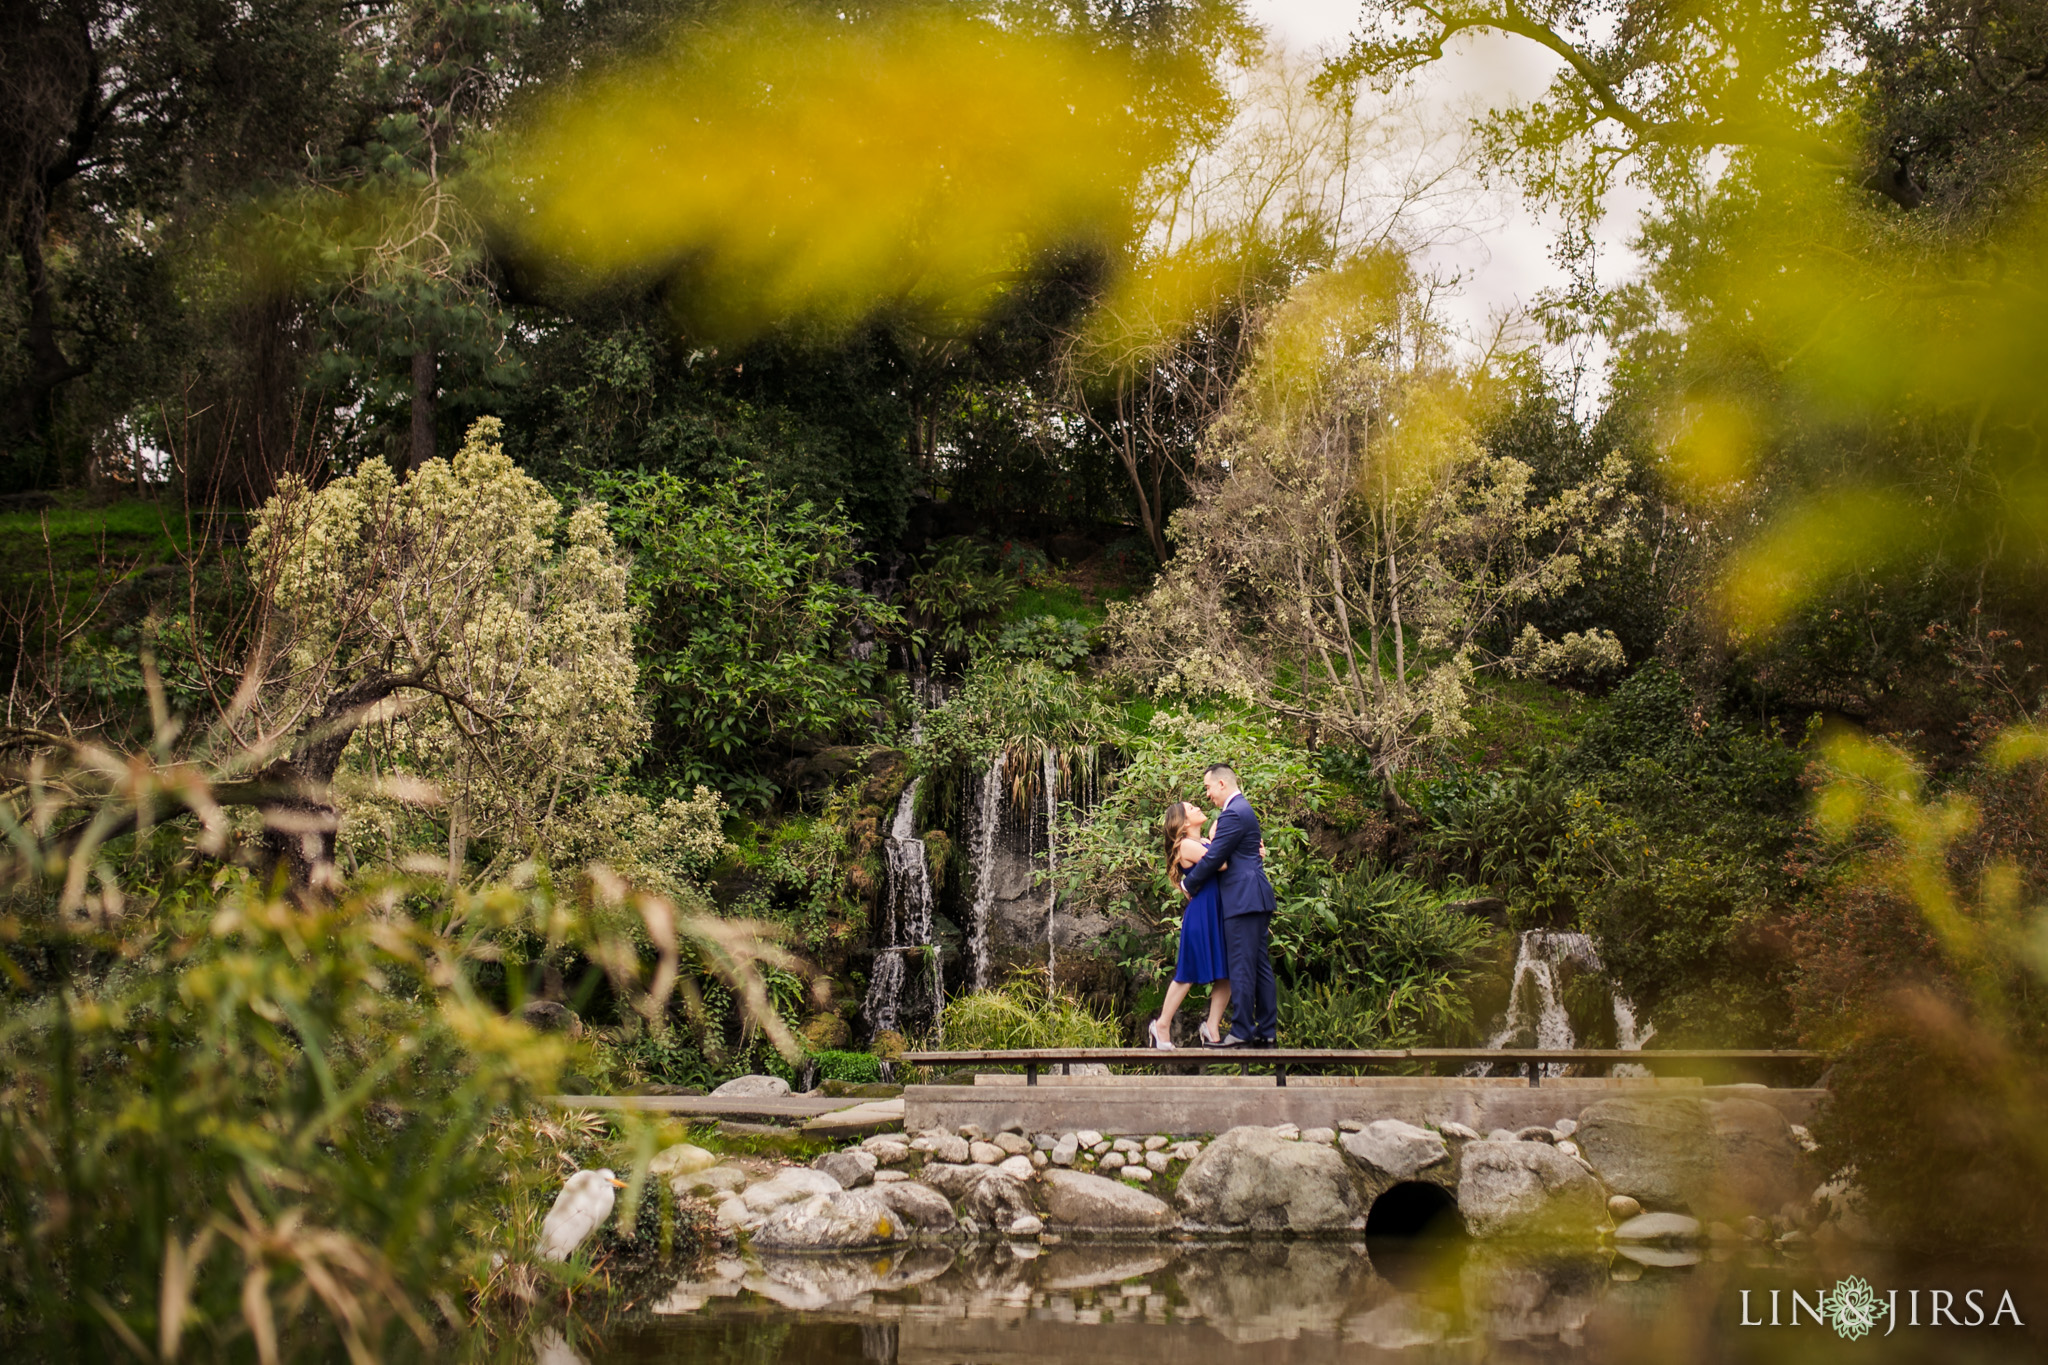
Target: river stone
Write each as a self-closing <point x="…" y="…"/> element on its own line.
<point x="1458" y="1130"/>
<point x="1013" y="1144"/>
<point x="919" y="1206"/>
<point x="1155" y="1142"/>
<point x="1659" y="1149"/>
<point x="1395" y="1149"/>
<point x="952" y="1150"/>
<point x="997" y="1201"/>
<point x="984" y="1153"/>
<point x="1527" y="1189"/>
<point x="1045" y="1142"/>
<point x="1127" y="1146"/>
<point x="1621" y="1208"/>
<point x="1112" y="1161"/>
<point x="1757" y="1157"/>
<point x="1076" y="1199"/>
<point x="1252" y="1178"/>
<point x="885" y="1176"/>
<point x="849" y="1218"/>
<point x="1015" y="1167"/>
<point x="1158" y="1161"/>
<point x="1039" y="1161"/>
<point x="1535" y="1132"/>
<point x="752" y="1088"/>
<point x="1087" y="1137"/>
<point x="681" y="1159"/>
<point x="1659" y="1227"/>
<point x="1063" y="1151"/>
<point x="1564" y="1128"/>
<point x="973" y="1132"/>
<point x="888" y="1153"/>
<point x="850" y="1168"/>
<point x="1141" y="1174"/>
<point x="787" y="1186"/>
<point x="1029" y="1225"/>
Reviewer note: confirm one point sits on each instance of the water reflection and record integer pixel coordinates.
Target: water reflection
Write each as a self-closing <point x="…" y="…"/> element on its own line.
<point x="1292" y="1303"/>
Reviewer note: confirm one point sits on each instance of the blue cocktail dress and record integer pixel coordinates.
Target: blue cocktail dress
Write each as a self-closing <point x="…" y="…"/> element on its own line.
<point x="1201" y="939"/>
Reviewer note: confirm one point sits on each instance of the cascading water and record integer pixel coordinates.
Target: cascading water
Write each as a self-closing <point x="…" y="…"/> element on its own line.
<point x="1534" y="1005"/>
<point x="988" y="819"/>
<point x="1050" y="780"/>
<point x="906" y="921"/>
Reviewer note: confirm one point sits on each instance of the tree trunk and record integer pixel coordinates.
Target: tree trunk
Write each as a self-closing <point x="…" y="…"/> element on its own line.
<point x="422" y="406"/>
<point x="296" y="796"/>
<point x="32" y="408"/>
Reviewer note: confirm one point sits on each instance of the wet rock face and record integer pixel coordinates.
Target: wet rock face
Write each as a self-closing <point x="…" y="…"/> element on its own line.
<point x="850" y="1218"/>
<point x="1249" y="1179"/>
<point x="1528" y="1189"/>
<point x="1076" y="1199"/>
<point x="1660" y="1150"/>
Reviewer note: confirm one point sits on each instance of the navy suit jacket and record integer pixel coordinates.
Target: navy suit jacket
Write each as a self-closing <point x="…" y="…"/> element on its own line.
<point x="1242" y="887"/>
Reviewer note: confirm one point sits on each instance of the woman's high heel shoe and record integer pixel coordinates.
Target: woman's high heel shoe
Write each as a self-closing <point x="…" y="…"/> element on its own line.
<point x="1162" y="1043"/>
<point x="1209" y="1035"/>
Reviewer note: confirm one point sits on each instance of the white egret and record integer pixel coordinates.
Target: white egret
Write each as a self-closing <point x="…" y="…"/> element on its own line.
<point x="585" y="1201"/>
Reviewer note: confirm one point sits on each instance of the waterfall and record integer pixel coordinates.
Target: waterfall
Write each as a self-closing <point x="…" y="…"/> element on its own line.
<point x="906" y="921"/>
<point x="988" y="818"/>
<point x="1533" y="990"/>
<point x="1052" y="890"/>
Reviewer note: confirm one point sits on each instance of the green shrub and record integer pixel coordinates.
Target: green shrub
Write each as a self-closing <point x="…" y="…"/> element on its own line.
<point x="857" y="1068"/>
<point x="1020" y="1014"/>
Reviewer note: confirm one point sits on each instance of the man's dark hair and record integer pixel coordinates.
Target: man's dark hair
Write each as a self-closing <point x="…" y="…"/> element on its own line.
<point x="1229" y="773"/>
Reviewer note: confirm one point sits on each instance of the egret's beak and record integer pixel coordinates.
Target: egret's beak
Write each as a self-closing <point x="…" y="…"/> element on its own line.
<point x="620" y="1183"/>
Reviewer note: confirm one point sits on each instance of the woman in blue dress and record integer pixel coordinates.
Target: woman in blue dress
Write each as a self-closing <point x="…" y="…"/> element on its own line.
<point x="1201" y="930"/>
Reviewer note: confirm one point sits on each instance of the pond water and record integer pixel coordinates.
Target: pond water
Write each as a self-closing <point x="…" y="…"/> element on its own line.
<point x="1304" y="1302"/>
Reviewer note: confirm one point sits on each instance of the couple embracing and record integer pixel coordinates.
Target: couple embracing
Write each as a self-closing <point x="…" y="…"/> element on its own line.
<point x="1228" y="922"/>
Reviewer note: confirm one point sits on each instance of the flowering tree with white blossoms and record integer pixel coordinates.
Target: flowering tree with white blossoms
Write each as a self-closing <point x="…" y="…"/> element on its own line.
<point x="445" y="639"/>
<point x="1355" y="544"/>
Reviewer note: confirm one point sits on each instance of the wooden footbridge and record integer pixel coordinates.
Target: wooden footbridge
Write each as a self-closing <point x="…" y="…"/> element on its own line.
<point x="1206" y="1090"/>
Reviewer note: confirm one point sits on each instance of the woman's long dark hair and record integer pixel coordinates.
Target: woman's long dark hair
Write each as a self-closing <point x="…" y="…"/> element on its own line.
<point x="1177" y="816"/>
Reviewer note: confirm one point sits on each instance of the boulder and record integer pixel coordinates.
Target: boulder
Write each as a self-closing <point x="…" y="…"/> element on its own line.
<point x="850" y="1168"/>
<point x="1076" y="1199"/>
<point x="681" y="1159"/>
<point x="1659" y="1149"/>
<point x="545" y="1016"/>
<point x="997" y="1201"/>
<point x="787" y="1187"/>
<point x="1458" y="1130"/>
<point x="719" y="1180"/>
<point x="953" y="1179"/>
<point x="1659" y="1227"/>
<point x="1757" y="1157"/>
<point x="1029" y="1225"/>
<point x="1395" y="1149"/>
<point x="1252" y="1178"/>
<point x="1528" y="1189"/>
<point x="848" y="1218"/>
<point x="752" y="1088"/>
<point x="1535" y="1132"/>
<point x="919" y="1206"/>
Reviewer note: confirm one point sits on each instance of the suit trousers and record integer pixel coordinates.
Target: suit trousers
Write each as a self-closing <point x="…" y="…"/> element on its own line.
<point x="1254" y="998"/>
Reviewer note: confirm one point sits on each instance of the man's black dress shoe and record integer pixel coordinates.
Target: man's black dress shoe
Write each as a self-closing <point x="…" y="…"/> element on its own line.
<point x="1265" y="1042"/>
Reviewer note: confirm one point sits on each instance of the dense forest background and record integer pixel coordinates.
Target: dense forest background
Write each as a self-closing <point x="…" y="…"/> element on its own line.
<point x="523" y="486"/>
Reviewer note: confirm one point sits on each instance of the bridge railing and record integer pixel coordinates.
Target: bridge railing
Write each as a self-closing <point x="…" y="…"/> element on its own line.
<point x="1285" y="1059"/>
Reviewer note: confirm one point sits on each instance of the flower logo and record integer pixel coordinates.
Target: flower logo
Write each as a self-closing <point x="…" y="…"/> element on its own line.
<point x="1853" y="1308"/>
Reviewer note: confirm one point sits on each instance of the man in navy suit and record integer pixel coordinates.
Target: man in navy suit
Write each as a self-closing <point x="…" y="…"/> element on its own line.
<point x="1247" y="906"/>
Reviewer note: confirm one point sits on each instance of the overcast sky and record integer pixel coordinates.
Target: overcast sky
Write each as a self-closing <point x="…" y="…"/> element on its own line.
<point x="1507" y="266"/>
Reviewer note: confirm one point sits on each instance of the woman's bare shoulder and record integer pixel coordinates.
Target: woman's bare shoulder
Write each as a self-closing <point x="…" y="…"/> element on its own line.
<point x="1191" y="849"/>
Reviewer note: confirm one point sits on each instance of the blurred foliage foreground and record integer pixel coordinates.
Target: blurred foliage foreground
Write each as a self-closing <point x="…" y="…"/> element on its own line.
<point x="240" y="1124"/>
